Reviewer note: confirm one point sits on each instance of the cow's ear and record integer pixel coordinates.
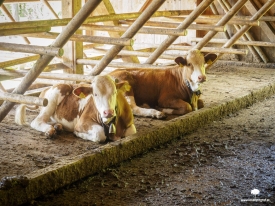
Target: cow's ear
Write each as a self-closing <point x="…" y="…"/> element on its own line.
<point x="123" y="86"/>
<point x="181" y="61"/>
<point x="209" y="58"/>
<point x="82" y="92"/>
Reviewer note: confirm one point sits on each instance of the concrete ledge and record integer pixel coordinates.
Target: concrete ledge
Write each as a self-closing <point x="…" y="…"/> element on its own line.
<point x="72" y="169"/>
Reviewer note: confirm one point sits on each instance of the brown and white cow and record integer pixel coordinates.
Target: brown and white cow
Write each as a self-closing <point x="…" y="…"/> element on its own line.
<point x="87" y="110"/>
<point x="173" y="90"/>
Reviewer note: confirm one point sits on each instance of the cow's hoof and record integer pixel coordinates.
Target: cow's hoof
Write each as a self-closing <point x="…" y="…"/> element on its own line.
<point x="58" y="127"/>
<point x="113" y="137"/>
<point x="50" y="133"/>
<point x="160" y="115"/>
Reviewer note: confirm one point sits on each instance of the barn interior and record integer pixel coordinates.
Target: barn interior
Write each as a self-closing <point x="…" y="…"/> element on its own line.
<point x="47" y="42"/>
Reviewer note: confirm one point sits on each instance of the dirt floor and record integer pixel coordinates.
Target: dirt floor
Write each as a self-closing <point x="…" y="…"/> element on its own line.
<point x="216" y="165"/>
<point x="219" y="164"/>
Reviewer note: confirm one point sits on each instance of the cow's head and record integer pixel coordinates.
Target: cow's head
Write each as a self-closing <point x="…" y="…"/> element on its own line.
<point x="103" y="89"/>
<point x="194" y="67"/>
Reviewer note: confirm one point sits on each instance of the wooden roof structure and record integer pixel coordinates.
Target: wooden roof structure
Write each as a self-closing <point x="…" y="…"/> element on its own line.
<point x="235" y="20"/>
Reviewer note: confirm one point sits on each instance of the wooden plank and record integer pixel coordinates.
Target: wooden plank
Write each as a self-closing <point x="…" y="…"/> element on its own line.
<point x="72" y="49"/>
<point x="106" y="8"/>
<point x="265" y="28"/>
<point x="44" y="60"/>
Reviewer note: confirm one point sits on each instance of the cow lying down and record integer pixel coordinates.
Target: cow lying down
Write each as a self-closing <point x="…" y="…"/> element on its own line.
<point x="171" y="91"/>
<point x="93" y="111"/>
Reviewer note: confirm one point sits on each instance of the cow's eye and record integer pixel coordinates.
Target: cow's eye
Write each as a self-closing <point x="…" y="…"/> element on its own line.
<point x="189" y="64"/>
<point x="95" y="95"/>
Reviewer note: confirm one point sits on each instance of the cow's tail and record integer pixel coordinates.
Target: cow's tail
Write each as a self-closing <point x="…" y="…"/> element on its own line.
<point x="20" y="113"/>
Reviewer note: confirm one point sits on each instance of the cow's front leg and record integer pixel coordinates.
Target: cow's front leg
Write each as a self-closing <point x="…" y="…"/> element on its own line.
<point x="176" y="106"/>
<point x="95" y="133"/>
<point x="40" y="123"/>
<point x="144" y="112"/>
<point x="130" y="130"/>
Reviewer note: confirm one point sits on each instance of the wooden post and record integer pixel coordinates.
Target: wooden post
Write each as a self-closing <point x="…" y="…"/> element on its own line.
<point x="44" y="60"/>
<point x="10" y="17"/>
<point x="52" y="51"/>
<point x="143" y="30"/>
<point x="244" y="29"/>
<point x="222" y="22"/>
<point x="131" y="31"/>
<point x="19" y="61"/>
<point x="47" y="4"/>
<point x="18" y="98"/>
<point x="184" y="25"/>
<point x="175" y="25"/>
<point x="94" y="19"/>
<point x="256" y="51"/>
<point x="7" y="32"/>
<point x="106" y="8"/>
<point x="72" y="49"/>
<point x="120" y="64"/>
<point x="47" y="75"/>
<point x="176" y="47"/>
<point x="211" y="19"/>
<point x="85" y="38"/>
<point x="239" y="42"/>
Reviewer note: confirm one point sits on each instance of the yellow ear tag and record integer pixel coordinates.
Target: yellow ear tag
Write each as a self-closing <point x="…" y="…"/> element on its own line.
<point x="209" y="61"/>
<point x="127" y="87"/>
<point x="82" y="95"/>
<point x="180" y="65"/>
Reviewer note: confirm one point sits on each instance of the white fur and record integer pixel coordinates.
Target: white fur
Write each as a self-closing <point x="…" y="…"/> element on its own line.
<point x="20" y="115"/>
<point x="95" y="134"/>
<point x="168" y="111"/>
<point x="139" y="111"/>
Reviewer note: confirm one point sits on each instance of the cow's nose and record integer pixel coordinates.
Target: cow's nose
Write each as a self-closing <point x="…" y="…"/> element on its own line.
<point x="108" y="113"/>
<point x="201" y="78"/>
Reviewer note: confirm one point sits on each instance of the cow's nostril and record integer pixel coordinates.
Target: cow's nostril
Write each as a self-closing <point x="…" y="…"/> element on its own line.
<point x="108" y="113"/>
<point x="202" y="78"/>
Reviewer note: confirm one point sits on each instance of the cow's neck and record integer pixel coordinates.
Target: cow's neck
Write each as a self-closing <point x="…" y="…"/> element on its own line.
<point x="182" y="76"/>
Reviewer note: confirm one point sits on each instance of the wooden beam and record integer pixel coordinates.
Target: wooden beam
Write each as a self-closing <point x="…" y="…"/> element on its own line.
<point x="120" y="64"/>
<point x="184" y="25"/>
<point x="73" y="49"/>
<point x="44" y="60"/>
<point x="52" y="51"/>
<point x="19" y="61"/>
<point x="143" y="30"/>
<point x="244" y="29"/>
<point x="175" y="25"/>
<point x="94" y="19"/>
<point x="175" y="47"/>
<point x="239" y="42"/>
<point x="204" y="19"/>
<point x="46" y="3"/>
<point x="10" y="17"/>
<point x="85" y="38"/>
<point x="8" y="32"/>
<point x="107" y="8"/>
<point x="239" y="4"/>
<point x="131" y="31"/>
<point x="47" y="75"/>
<point x="256" y="51"/>
<point x="22" y="99"/>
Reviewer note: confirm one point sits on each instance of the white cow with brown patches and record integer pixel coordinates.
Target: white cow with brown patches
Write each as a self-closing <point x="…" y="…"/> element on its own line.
<point x="89" y="111"/>
<point x="172" y="91"/>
